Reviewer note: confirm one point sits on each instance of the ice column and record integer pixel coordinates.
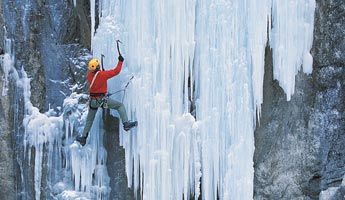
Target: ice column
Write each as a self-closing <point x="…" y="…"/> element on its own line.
<point x="258" y="23"/>
<point x="160" y="45"/>
<point x="224" y="104"/>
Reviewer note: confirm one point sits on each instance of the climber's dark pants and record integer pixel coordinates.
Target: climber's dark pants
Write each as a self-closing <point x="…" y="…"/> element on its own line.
<point x="95" y="103"/>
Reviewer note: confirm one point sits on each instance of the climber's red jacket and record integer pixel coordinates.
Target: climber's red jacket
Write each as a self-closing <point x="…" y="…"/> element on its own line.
<point x="100" y="84"/>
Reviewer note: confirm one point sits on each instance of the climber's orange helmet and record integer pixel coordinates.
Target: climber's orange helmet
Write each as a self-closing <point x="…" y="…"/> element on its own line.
<point x="93" y="64"/>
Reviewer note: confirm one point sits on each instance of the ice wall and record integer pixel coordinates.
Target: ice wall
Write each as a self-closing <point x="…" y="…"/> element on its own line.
<point x="198" y="71"/>
<point x="204" y="52"/>
<point x="164" y="57"/>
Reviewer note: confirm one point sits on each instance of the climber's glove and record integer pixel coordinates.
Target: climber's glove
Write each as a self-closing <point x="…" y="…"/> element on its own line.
<point x="121" y="58"/>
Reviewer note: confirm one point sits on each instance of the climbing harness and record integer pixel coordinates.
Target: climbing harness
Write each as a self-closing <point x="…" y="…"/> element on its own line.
<point x="105" y="102"/>
<point x="98" y="100"/>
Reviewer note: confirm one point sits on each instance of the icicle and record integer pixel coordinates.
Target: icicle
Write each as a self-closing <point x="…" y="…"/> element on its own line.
<point x="258" y="23"/>
<point x="45" y="132"/>
<point x="89" y="160"/>
<point x="291" y="40"/>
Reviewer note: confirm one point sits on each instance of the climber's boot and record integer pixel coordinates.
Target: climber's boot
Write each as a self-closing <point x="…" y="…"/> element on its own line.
<point x="128" y="125"/>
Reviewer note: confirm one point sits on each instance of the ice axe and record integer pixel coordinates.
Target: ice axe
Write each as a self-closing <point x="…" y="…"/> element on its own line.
<point x="102" y="56"/>
<point x="105" y="106"/>
<point x="118" y="46"/>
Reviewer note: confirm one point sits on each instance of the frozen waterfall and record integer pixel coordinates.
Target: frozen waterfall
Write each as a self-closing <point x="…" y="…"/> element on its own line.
<point x="198" y="69"/>
<point x="204" y="57"/>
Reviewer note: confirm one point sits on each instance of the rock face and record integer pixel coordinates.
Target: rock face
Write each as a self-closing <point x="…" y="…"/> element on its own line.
<point x="329" y="114"/>
<point x="300" y="144"/>
<point x="7" y="174"/>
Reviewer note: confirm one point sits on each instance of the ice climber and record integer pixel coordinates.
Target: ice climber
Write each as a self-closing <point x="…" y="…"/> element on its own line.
<point x="97" y="79"/>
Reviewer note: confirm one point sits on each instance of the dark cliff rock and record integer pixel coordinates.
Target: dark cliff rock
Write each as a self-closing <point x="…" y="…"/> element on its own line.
<point x="116" y="160"/>
<point x="329" y="81"/>
<point x="299" y="144"/>
<point x="7" y="174"/>
<point x="285" y="149"/>
<point x="79" y="27"/>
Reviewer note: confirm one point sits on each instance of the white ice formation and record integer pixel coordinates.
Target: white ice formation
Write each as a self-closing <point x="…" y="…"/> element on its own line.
<point x="207" y="52"/>
<point x="198" y="70"/>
